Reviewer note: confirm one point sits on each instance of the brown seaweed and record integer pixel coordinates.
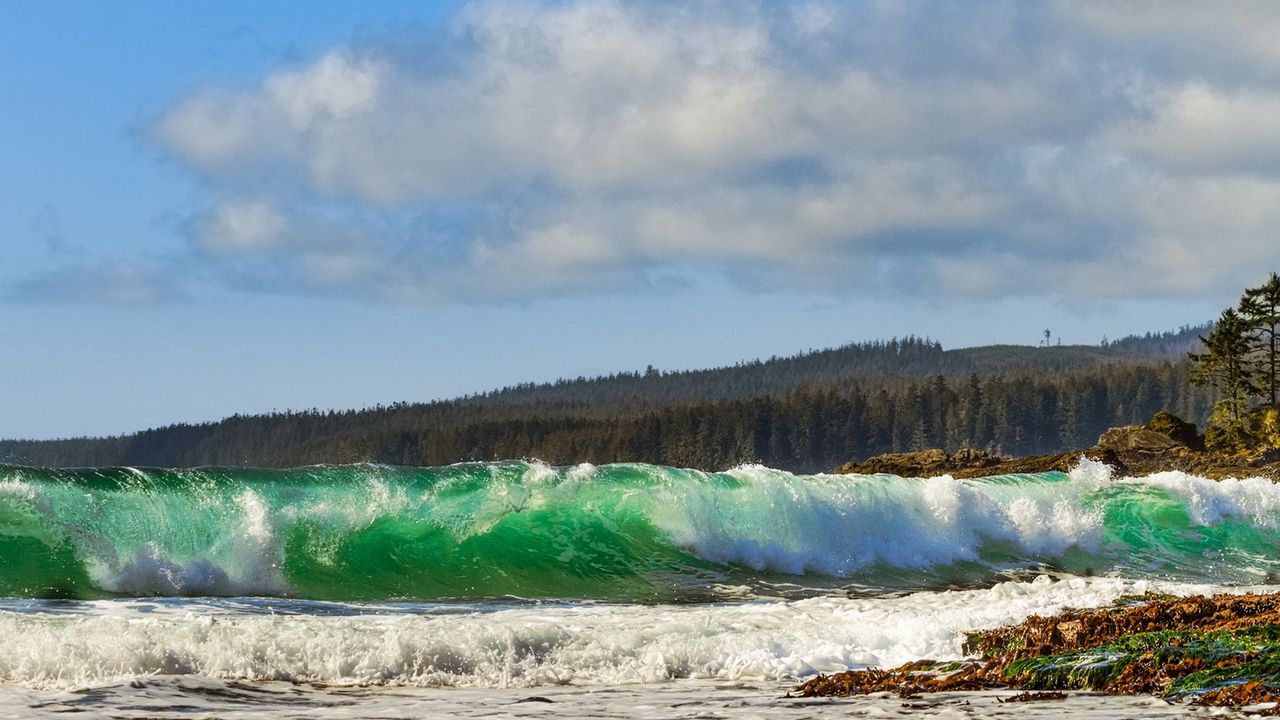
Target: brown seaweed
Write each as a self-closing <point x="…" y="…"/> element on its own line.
<point x="1221" y="650"/>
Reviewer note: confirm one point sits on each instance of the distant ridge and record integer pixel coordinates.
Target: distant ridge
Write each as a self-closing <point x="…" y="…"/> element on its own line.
<point x="806" y="412"/>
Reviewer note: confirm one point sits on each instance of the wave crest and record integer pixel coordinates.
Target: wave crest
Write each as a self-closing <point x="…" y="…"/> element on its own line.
<point x="612" y="532"/>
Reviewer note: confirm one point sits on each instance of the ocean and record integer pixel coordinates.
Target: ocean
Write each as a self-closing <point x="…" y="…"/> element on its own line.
<point x="516" y="589"/>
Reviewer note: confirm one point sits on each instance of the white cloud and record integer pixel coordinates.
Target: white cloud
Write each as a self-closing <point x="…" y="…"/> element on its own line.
<point x="589" y="95"/>
<point x="335" y="88"/>
<point x="1235" y="39"/>
<point x="241" y="225"/>
<point x="541" y="148"/>
<point x="1198" y="127"/>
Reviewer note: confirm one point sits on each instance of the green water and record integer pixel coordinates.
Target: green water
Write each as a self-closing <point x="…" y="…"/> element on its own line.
<point x="618" y="532"/>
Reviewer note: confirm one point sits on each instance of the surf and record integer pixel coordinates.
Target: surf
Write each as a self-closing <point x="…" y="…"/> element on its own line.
<point x="627" y="532"/>
<point x="48" y="645"/>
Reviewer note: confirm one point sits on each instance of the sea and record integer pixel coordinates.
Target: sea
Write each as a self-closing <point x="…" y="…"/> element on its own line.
<point x="522" y="590"/>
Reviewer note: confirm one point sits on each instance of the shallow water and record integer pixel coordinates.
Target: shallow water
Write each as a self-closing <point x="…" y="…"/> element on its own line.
<point x="182" y="698"/>
<point x="253" y="657"/>
<point x="61" y="644"/>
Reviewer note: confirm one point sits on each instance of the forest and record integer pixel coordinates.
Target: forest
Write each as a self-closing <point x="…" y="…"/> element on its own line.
<point x="806" y="413"/>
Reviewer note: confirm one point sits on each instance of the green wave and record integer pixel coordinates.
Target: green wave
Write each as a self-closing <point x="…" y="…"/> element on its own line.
<point x="617" y="532"/>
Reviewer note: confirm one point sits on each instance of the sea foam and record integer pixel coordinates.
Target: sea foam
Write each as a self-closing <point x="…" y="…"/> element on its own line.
<point x="526" y="645"/>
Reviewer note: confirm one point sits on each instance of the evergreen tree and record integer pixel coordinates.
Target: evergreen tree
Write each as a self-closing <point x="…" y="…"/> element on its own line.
<point x="1224" y="363"/>
<point x="1260" y="309"/>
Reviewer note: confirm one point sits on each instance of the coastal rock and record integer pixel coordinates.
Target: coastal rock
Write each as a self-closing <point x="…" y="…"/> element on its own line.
<point x="969" y="463"/>
<point x="926" y="463"/>
<point x="1165" y="443"/>
<point x="975" y="458"/>
<point x="905" y="462"/>
<point x="1178" y="430"/>
<point x="1219" y="650"/>
<point x="1135" y="438"/>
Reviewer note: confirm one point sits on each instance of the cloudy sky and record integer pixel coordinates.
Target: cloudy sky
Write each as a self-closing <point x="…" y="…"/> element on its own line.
<point x="233" y="207"/>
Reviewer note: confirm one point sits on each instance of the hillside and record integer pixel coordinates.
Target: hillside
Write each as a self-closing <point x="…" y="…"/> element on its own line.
<point x="804" y="412"/>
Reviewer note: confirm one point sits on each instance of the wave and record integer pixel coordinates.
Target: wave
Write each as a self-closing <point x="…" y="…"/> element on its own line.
<point x="615" y="532"/>
<point x="86" y="644"/>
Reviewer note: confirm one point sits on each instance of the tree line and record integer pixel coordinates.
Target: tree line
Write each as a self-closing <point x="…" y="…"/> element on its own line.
<point x="1015" y="400"/>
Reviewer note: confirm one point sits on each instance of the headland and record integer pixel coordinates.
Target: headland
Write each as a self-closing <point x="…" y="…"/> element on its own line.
<point x="1164" y="443"/>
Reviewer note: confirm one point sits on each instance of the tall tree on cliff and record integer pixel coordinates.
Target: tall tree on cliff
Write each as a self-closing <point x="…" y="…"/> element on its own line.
<point x="1260" y="309"/>
<point x="1224" y="364"/>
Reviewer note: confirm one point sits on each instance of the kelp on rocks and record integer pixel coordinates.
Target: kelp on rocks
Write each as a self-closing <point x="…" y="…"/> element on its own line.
<point x="1221" y="650"/>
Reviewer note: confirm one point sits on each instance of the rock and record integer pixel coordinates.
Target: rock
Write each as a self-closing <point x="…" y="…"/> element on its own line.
<point x="1133" y="450"/>
<point x="970" y="463"/>
<point x="1178" y="430"/>
<point x="1071" y="631"/>
<point x="905" y="464"/>
<point x="974" y="458"/>
<point x="1135" y="438"/>
<point x="1175" y="648"/>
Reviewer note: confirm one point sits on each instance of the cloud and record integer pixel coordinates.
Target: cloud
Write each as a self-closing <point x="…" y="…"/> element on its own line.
<point x="1180" y="37"/>
<point x="534" y="149"/>
<point x="239" y="226"/>
<point x="1196" y="127"/>
<point x="102" y="283"/>
<point x="588" y="96"/>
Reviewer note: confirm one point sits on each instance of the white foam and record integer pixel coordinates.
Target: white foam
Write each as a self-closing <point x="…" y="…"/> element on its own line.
<point x="841" y="524"/>
<point x="1255" y="500"/>
<point x="525" y="646"/>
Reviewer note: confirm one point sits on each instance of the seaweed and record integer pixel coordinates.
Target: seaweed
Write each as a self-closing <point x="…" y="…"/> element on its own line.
<point x="1221" y="650"/>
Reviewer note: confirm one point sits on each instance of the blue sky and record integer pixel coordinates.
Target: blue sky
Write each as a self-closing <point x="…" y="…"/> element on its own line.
<point x="229" y="207"/>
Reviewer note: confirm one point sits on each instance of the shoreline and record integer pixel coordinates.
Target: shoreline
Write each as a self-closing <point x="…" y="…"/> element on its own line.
<point x="1164" y="444"/>
<point x="1221" y="651"/>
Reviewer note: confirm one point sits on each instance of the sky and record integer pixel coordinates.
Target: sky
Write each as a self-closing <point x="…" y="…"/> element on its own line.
<point x="237" y="207"/>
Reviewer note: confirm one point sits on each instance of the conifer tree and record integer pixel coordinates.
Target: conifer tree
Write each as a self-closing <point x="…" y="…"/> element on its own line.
<point x="1224" y="363"/>
<point x="1260" y="309"/>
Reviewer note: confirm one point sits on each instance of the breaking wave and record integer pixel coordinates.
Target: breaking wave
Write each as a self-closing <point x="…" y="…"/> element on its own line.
<point x="618" y="532"/>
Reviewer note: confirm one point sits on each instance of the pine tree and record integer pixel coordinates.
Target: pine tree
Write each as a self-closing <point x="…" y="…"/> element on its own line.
<point x="1260" y="309"/>
<point x="1224" y="363"/>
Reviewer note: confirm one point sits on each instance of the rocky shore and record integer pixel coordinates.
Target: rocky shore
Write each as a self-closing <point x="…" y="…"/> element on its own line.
<point x="1165" y="443"/>
<point x="1222" y="651"/>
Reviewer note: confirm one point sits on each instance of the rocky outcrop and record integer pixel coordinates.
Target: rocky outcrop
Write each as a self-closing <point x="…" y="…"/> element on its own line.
<point x="1165" y="443"/>
<point x="1178" y="430"/>
<point x="969" y="463"/>
<point x="1136" y="439"/>
<point x="922" y="462"/>
<point x="1220" y="650"/>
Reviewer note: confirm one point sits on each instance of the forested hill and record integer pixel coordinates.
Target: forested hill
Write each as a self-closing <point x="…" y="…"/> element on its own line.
<point x="899" y="358"/>
<point x="805" y="412"/>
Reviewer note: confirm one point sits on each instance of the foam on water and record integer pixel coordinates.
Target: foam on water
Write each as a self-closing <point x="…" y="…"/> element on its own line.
<point x="1209" y="502"/>
<point x="527" y="645"/>
<point x="841" y="525"/>
<point x="180" y="697"/>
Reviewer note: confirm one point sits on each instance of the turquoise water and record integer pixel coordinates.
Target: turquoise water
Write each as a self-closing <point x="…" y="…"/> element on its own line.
<point x="616" y="533"/>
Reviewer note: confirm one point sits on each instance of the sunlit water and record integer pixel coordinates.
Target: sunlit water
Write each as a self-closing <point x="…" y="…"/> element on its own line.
<point x="520" y="590"/>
